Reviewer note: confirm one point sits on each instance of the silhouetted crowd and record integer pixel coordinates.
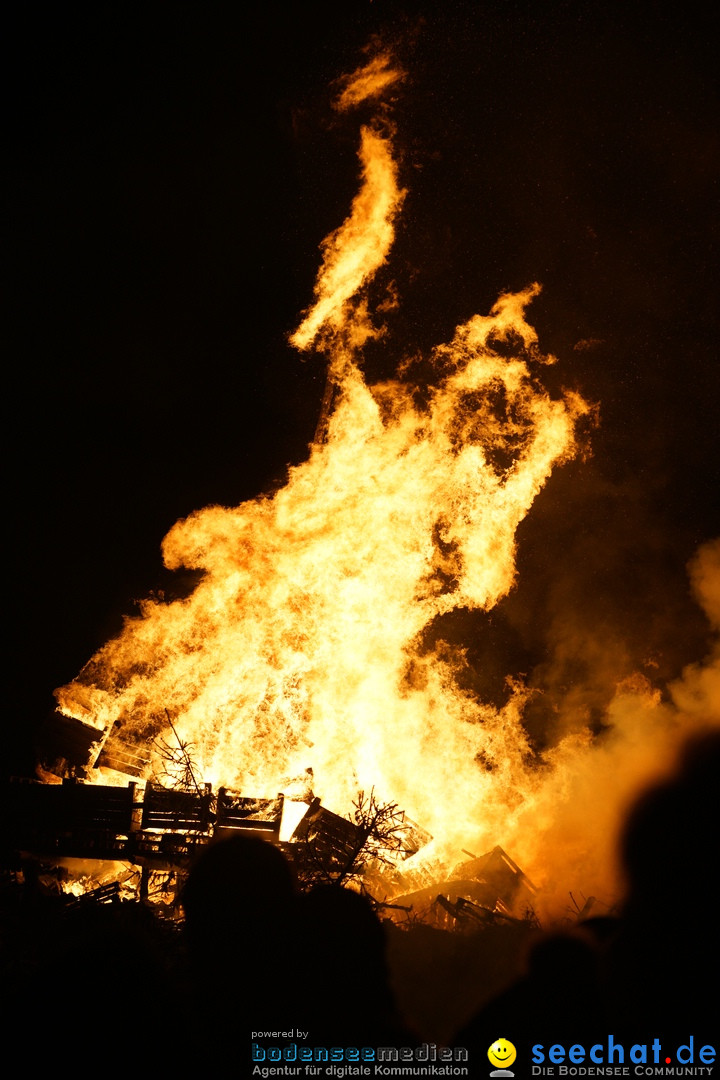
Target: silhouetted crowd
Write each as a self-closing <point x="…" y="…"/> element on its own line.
<point x="255" y="953"/>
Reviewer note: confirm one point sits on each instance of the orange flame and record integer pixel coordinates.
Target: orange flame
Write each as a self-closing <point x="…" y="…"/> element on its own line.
<point x="354" y="252"/>
<point x="302" y="646"/>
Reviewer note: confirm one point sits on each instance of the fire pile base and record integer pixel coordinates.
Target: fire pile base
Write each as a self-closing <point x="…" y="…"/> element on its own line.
<point x="159" y="831"/>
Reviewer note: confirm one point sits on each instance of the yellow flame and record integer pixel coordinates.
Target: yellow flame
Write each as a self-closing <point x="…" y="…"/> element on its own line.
<point x="305" y="643"/>
<point x="354" y="252"/>
<point x="369" y="81"/>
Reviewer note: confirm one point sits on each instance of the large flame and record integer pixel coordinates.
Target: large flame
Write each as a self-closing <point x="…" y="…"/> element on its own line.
<point x="355" y="251"/>
<point x="305" y="644"/>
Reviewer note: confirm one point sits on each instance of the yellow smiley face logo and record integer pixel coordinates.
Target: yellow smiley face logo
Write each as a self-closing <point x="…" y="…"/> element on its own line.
<point x="502" y="1053"/>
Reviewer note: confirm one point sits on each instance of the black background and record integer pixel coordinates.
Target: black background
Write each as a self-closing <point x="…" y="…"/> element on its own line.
<point x="170" y="172"/>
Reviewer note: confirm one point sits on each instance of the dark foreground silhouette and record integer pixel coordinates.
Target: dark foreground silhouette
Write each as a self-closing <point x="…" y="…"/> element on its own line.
<point x="264" y="957"/>
<point x="648" y="972"/>
<point x="255" y="954"/>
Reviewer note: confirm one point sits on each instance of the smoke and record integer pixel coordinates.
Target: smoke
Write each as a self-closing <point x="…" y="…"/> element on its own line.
<point x="697" y="694"/>
<point x="568" y="839"/>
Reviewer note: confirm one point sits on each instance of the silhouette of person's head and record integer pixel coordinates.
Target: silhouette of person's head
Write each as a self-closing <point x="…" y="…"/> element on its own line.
<point x="240" y="906"/>
<point x="234" y="880"/>
<point x="345" y="953"/>
<point x="672" y="830"/>
<point x="669" y="935"/>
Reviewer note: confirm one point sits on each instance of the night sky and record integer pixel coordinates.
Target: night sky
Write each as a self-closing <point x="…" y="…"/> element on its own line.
<point x="170" y="171"/>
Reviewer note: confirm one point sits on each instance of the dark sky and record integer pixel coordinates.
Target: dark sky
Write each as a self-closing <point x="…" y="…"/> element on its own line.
<point x="170" y="172"/>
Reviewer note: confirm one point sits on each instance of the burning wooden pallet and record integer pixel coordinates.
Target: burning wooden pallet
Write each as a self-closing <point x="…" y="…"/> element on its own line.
<point x="70" y="819"/>
<point x="237" y="814"/>
<point x="164" y="809"/>
<point x="123" y="757"/>
<point x="484" y="890"/>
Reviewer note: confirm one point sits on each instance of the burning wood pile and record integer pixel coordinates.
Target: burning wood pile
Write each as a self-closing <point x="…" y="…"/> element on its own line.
<point x="315" y="635"/>
<point x="315" y="642"/>
<point x="159" y="829"/>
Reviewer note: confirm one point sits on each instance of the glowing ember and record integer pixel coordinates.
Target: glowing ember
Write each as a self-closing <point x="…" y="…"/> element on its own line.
<point x="304" y="644"/>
